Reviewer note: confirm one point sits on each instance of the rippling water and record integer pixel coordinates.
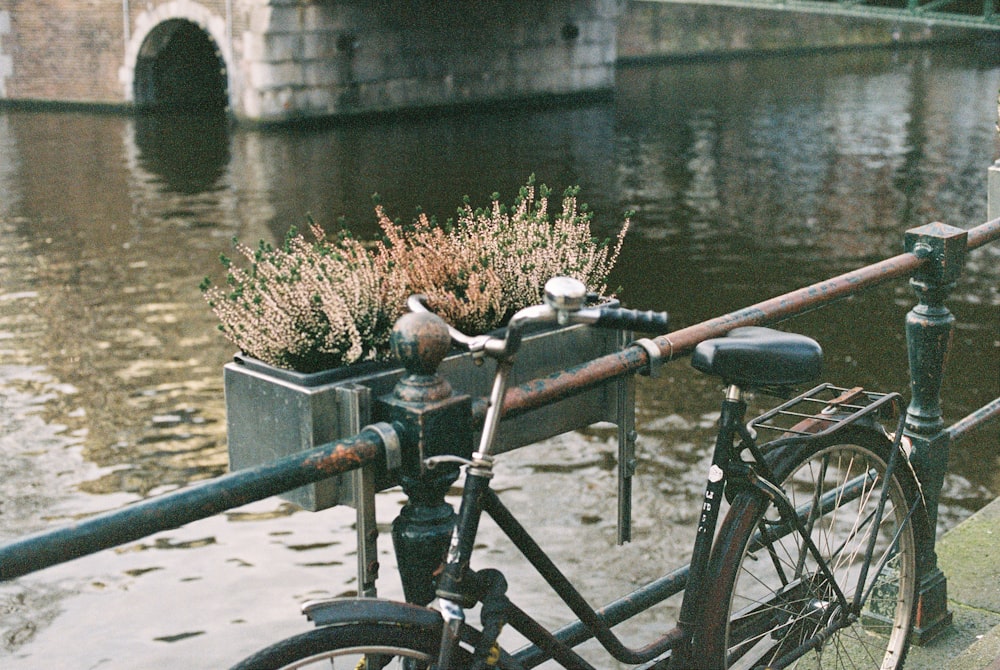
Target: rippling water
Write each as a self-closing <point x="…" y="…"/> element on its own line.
<point x="749" y="178"/>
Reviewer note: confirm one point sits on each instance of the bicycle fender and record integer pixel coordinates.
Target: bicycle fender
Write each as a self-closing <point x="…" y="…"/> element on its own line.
<point x="814" y="425"/>
<point x="341" y="611"/>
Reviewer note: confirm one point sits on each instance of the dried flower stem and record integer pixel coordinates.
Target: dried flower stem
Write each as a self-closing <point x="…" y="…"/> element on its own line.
<point x="315" y="305"/>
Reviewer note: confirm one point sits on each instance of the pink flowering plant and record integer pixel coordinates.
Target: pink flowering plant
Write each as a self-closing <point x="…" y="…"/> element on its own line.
<point x="316" y="304"/>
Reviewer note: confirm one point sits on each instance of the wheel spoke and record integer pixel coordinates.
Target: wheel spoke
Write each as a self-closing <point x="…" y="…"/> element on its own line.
<point x="360" y="645"/>
<point x="787" y="598"/>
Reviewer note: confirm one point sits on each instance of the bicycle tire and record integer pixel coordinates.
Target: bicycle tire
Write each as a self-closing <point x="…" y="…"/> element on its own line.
<point x="361" y="645"/>
<point x="770" y="597"/>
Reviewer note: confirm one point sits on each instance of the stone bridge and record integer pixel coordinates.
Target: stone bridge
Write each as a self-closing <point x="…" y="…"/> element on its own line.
<point x="281" y="60"/>
<point x="275" y="60"/>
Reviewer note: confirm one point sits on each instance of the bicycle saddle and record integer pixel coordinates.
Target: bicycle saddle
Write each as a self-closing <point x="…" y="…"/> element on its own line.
<point x="757" y="357"/>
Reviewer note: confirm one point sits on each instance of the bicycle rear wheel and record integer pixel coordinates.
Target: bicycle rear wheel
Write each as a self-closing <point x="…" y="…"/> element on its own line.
<point x="353" y="646"/>
<point x="773" y="606"/>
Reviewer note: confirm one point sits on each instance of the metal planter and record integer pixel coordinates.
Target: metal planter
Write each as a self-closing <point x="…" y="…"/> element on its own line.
<point x="273" y="412"/>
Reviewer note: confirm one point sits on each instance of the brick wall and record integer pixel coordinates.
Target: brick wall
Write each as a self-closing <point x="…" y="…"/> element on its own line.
<point x="64" y="50"/>
<point x="72" y="50"/>
<point x="6" y="63"/>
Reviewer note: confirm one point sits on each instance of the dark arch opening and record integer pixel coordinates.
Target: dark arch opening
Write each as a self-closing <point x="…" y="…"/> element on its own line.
<point x="180" y="69"/>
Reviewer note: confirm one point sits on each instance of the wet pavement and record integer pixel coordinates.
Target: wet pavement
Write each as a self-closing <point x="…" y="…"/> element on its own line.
<point x="969" y="556"/>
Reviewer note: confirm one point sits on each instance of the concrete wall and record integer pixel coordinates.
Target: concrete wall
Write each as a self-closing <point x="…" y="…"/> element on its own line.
<point x="656" y="29"/>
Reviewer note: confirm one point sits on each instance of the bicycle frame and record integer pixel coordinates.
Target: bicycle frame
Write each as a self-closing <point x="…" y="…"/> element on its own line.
<point x="478" y="497"/>
<point x="458" y="587"/>
<point x="928" y="250"/>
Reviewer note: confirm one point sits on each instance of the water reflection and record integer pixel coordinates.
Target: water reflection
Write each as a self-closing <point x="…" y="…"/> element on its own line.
<point x="119" y="320"/>
<point x="9" y="197"/>
<point x="846" y="155"/>
<point x="189" y="153"/>
<point x="749" y="178"/>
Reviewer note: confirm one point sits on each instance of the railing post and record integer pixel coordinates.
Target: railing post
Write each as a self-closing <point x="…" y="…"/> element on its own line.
<point x="431" y="421"/>
<point x="993" y="191"/>
<point x="928" y="334"/>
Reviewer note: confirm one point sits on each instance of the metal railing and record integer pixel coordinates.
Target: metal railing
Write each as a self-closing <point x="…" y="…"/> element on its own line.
<point x="933" y="259"/>
<point x="952" y="13"/>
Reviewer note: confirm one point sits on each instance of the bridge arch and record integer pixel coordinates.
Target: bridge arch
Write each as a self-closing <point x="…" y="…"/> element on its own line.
<point x="179" y="59"/>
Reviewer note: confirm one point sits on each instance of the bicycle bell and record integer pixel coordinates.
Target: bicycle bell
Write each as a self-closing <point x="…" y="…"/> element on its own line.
<point x="565" y="295"/>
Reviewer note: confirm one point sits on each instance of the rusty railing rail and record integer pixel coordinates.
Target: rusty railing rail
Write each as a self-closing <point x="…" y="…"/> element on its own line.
<point x="933" y="260"/>
<point x="199" y="501"/>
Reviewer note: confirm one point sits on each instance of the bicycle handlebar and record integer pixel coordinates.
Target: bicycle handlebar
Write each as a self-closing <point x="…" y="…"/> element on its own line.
<point x="564" y="304"/>
<point x="633" y="319"/>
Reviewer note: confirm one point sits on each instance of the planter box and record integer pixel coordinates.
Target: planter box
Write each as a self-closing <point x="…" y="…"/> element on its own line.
<point x="272" y="413"/>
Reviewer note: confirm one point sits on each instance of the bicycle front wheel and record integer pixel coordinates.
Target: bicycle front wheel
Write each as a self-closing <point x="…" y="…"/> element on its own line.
<point x="354" y="646"/>
<point x="774" y="605"/>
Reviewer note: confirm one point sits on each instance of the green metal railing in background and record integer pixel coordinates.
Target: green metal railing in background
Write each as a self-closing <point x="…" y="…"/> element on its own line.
<point x="933" y="260"/>
<point x="980" y="14"/>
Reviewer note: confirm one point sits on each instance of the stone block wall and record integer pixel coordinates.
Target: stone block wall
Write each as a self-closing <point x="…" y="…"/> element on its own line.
<point x="293" y="59"/>
<point x="322" y="58"/>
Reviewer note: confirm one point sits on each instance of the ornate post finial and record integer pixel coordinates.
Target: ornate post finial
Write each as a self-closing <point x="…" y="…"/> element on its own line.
<point x="421" y="341"/>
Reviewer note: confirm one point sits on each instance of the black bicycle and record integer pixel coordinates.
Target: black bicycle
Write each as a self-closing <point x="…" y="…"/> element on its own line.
<point x="813" y="565"/>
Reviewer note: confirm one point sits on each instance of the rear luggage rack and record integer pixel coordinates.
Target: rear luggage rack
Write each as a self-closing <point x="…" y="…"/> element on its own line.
<point x="826" y="408"/>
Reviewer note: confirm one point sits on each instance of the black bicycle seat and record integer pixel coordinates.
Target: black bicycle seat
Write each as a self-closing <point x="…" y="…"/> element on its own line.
<point x="757" y="357"/>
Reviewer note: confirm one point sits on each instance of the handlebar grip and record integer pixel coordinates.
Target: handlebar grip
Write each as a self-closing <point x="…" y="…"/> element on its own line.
<point x="633" y="319"/>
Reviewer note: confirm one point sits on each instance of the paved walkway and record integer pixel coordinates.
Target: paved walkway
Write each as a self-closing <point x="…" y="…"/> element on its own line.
<point x="969" y="556"/>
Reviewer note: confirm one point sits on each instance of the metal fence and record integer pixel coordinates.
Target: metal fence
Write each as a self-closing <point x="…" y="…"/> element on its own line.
<point x="933" y="260"/>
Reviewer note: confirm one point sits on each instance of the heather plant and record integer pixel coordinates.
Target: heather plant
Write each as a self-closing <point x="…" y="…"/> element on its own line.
<point x="448" y="267"/>
<point x="313" y="305"/>
<point x="309" y="306"/>
<point x="525" y="247"/>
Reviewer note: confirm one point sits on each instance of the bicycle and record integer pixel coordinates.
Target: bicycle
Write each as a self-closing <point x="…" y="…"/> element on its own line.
<point x="814" y="564"/>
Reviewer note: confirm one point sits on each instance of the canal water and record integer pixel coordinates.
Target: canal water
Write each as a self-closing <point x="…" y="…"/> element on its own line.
<point x="749" y="178"/>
